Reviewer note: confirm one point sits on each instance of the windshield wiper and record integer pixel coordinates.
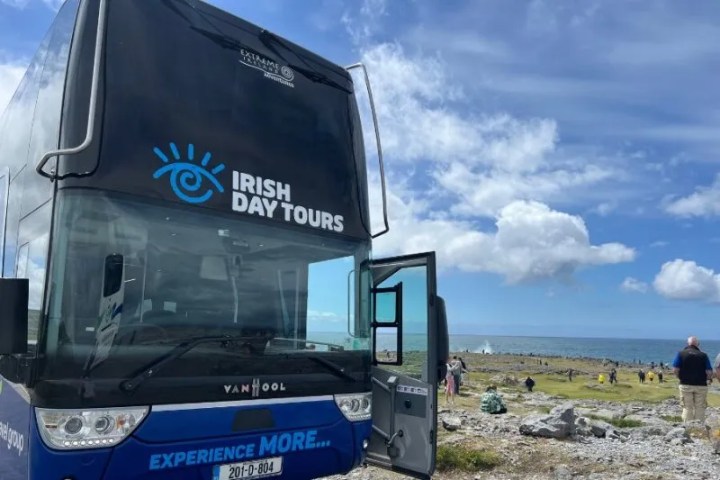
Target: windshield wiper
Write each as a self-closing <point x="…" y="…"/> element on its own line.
<point x="333" y="367"/>
<point x="131" y="384"/>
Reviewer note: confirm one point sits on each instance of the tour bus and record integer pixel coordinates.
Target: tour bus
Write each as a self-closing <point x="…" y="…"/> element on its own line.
<point x="188" y="289"/>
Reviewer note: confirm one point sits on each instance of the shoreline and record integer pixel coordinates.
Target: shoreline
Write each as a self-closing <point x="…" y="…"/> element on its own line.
<point x="623" y="363"/>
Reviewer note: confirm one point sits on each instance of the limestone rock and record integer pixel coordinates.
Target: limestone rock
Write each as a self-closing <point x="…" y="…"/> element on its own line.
<point x="678" y="436"/>
<point x="560" y="423"/>
<point x="451" y="423"/>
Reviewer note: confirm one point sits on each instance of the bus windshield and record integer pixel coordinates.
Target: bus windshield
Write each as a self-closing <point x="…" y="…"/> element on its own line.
<point x="132" y="281"/>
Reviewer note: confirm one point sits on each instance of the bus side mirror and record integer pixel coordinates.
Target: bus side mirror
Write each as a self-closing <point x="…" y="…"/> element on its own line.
<point x="14" y="315"/>
<point x="442" y="338"/>
<point x="113" y="274"/>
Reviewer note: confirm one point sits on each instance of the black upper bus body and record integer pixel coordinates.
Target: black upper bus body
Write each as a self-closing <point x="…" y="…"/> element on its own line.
<point x="238" y="139"/>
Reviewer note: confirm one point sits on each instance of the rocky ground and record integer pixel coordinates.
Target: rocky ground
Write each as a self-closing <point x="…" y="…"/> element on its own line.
<point x="549" y="437"/>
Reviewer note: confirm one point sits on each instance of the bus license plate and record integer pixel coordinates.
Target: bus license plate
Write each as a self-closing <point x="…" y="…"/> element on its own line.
<point x="267" y="467"/>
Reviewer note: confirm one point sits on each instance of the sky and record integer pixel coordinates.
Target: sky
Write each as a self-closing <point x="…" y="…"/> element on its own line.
<point x="560" y="157"/>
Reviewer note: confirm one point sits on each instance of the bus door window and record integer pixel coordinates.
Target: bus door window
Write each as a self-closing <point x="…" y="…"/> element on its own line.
<point x="414" y="333"/>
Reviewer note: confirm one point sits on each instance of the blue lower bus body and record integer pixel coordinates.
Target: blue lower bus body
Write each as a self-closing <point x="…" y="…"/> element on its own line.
<point x="185" y="442"/>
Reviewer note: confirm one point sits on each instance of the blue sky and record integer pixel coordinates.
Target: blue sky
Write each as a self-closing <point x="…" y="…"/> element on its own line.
<point x="561" y="157"/>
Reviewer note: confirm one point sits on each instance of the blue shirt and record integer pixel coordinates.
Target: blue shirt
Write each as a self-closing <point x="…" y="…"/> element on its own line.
<point x="678" y="361"/>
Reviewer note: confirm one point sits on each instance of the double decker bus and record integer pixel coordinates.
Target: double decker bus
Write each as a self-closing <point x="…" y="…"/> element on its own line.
<point x="188" y="289"/>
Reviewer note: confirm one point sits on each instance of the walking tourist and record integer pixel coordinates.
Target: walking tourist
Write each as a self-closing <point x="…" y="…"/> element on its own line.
<point x="529" y="383"/>
<point x="464" y="370"/>
<point x="641" y="375"/>
<point x="457" y="373"/>
<point x="613" y="376"/>
<point x="449" y="384"/>
<point x="692" y="367"/>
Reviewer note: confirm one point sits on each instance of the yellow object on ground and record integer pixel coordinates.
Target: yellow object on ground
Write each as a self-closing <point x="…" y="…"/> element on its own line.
<point x="601" y="378"/>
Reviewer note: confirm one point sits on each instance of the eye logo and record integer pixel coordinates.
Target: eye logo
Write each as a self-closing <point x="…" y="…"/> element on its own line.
<point x="186" y="178"/>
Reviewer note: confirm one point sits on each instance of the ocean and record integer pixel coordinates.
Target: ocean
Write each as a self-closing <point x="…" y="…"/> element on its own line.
<point x="618" y="349"/>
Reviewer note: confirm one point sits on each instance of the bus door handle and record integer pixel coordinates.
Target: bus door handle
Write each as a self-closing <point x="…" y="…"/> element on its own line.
<point x="379" y="147"/>
<point x="391" y="389"/>
<point x="92" y="109"/>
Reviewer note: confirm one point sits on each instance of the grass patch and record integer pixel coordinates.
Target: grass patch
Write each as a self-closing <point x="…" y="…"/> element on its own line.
<point x="618" y="422"/>
<point x="553" y="380"/>
<point x="672" y="418"/>
<point x="464" y="458"/>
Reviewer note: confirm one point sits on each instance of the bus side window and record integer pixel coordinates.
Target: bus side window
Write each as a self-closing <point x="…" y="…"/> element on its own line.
<point x="4" y="184"/>
<point x="32" y="260"/>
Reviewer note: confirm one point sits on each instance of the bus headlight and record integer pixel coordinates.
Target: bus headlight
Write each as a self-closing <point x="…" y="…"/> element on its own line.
<point x="79" y="429"/>
<point x="356" y="406"/>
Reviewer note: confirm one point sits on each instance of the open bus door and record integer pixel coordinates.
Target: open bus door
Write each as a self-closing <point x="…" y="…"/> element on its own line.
<point x="410" y="347"/>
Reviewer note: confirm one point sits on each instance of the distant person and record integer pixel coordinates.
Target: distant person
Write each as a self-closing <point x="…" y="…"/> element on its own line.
<point x="462" y="362"/>
<point x="613" y="376"/>
<point x="492" y="402"/>
<point x="449" y="384"/>
<point x="641" y="375"/>
<point x="570" y="374"/>
<point x="651" y="376"/>
<point x="660" y="376"/>
<point x="456" y="368"/>
<point x="692" y="367"/>
<point x="652" y="365"/>
<point x="601" y="378"/>
<point x="463" y="370"/>
<point x="529" y="383"/>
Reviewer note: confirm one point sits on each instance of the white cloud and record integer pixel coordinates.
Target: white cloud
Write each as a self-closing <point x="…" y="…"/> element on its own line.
<point x="659" y="244"/>
<point x="54" y="5"/>
<point x="605" y="208"/>
<point x="704" y="202"/>
<point x="633" y="285"/>
<point x="686" y="280"/>
<point x="323" y="316"/>
<point x="530" y="241"/>
<point x="485" y="193"/>
<point x="20" y="4"/>
<point x="361" y="29"/>
<point x="415" y="99"/>
<point x="10" y="75"/>
<point x="460" y="167"/>
<point x="484" y="161"/>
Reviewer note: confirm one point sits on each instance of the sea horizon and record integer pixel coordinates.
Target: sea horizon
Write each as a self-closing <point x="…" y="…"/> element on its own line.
<point x="702" y="339"/>
<point x="626" y="350"/>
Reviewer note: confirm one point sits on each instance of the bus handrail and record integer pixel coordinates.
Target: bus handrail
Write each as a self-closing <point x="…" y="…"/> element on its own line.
<point x="379" y="147"/>
<point x="92" y="109"/>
